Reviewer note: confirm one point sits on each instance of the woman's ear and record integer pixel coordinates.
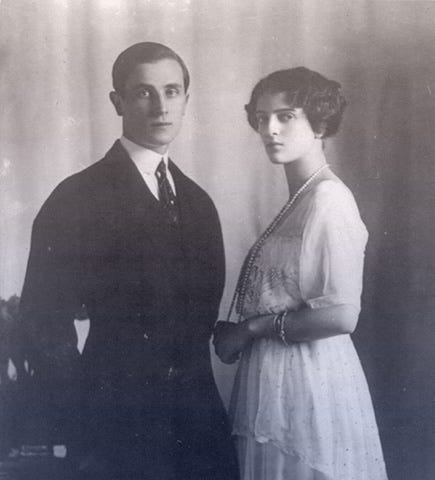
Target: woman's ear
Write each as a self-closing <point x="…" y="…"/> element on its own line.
<point x="320" y="132"/>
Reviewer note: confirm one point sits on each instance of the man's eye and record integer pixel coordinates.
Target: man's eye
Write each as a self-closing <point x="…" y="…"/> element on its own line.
<point x="172" y="92"/>
<point x="143" y="93"/>
<point x="261" y="120"/>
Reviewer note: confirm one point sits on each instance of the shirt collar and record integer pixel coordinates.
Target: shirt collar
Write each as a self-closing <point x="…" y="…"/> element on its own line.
<point x="145" y="160"/>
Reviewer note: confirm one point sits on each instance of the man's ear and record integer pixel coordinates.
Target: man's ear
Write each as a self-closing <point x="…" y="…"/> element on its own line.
<point x="116" y="100"/>
<point x="185" y="103"/>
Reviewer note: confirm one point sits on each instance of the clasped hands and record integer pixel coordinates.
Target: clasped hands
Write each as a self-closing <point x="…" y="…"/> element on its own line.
<point x="230" y="339"/>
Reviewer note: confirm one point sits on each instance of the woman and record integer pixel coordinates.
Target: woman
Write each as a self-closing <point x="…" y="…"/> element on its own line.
<point x="301" y="408"/>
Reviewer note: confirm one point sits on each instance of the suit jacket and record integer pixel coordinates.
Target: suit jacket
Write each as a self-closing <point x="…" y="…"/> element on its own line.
<point x="152" y="293"/>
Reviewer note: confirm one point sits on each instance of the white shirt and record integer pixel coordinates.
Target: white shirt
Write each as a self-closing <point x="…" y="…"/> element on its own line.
<point x="147" y="162"/>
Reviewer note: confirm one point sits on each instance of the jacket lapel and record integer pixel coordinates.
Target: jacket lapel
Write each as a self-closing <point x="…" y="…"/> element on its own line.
<point x="187" y="210"/>
<point x="138" y="209"/>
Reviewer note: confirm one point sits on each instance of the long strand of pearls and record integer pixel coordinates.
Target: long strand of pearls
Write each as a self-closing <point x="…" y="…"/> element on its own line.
<point x="242" y="282"/>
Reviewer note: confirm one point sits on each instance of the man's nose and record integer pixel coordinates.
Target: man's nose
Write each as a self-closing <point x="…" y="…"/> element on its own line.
<point x="159" y="104"/>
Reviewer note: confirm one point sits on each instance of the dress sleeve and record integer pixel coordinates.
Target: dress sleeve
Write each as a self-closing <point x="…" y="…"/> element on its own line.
<point x="332" y="252"/>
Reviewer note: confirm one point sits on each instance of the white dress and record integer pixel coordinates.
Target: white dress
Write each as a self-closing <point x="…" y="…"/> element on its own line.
<point x="303" y="411"/>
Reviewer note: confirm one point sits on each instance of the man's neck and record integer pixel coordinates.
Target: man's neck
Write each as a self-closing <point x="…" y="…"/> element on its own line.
<point x="160" y="149"/>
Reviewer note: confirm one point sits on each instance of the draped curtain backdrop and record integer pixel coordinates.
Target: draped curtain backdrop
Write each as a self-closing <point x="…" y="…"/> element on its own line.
<point x="56" y="118"/>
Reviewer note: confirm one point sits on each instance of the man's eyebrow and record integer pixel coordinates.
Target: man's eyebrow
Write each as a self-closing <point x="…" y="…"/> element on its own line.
<point x="153" y="87"/>
<point x="141" y="85"/>
<point x="174" y="85"/>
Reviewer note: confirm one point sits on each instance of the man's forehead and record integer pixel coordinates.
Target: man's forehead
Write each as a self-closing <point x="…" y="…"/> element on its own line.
<point x="166" y="71"/>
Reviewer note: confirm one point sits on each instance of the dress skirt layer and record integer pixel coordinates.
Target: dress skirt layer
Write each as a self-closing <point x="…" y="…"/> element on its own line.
<point x="304" y="412"/>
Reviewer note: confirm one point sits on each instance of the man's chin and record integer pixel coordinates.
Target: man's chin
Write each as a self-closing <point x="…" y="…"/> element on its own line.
<point x="162" y="140"/>
<point x="159" y="145"/>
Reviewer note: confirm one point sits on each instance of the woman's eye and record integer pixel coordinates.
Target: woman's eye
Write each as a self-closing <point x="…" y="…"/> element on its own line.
<point x="285" y="117"/>
<point x="261" y="120"/>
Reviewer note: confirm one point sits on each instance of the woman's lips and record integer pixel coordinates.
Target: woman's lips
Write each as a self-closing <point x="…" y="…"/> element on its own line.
<point x="274" y="145"/>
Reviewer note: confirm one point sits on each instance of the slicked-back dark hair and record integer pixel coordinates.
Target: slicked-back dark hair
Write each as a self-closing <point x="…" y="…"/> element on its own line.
<point x="144" y="52"/>
<point x="320" y="98"/>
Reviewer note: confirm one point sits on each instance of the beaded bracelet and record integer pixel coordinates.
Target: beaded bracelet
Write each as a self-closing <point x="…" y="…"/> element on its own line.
<point x="276" y="327"/>
<point x="280" y="327"/>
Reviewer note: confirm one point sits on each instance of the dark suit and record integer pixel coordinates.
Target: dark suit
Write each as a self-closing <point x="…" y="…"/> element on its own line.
<point x="152" y="292"/>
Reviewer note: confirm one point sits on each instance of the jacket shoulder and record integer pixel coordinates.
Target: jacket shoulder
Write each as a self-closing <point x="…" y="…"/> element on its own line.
<point x="76" y="191"/>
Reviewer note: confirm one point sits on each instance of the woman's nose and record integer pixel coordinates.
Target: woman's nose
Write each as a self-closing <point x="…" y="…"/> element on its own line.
<point x="272" y="127"/>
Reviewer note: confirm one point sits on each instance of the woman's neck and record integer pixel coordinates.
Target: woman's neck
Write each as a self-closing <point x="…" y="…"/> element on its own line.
<point x="299" y="171"/>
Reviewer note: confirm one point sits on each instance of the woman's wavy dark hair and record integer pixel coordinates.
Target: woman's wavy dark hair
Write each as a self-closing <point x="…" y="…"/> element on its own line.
<point x="320" y="98"/>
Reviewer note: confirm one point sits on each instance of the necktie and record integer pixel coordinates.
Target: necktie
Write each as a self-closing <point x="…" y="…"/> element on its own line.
<point x="166" y="194"/>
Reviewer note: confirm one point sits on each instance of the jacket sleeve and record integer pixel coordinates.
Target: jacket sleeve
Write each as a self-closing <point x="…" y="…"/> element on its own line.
<point x="218" y="263"/>
<point x="50" y="294"/>
<point x="211" y="279"/>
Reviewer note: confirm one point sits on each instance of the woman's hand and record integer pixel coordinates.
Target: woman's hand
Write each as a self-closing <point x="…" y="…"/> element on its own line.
<point x="230" y="339"/>
<point x="260" y="326"/>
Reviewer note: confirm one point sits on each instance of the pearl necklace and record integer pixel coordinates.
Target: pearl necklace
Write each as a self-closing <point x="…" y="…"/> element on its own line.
<point x="245" y="272"/>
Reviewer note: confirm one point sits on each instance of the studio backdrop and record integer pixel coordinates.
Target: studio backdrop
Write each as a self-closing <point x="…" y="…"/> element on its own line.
<point x="56" y="118"/>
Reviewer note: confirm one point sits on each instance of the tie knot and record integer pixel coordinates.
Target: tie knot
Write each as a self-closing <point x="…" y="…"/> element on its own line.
<point x="161" y="170"/>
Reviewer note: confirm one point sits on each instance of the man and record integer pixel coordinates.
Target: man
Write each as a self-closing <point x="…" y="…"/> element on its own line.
<point x="138" y="244"/>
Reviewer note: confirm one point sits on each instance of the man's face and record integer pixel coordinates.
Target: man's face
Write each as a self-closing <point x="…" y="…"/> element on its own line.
<point x="152" y="104"/>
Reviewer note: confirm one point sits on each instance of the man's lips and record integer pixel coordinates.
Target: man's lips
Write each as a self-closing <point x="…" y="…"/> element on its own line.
<point x="161" y="124"/>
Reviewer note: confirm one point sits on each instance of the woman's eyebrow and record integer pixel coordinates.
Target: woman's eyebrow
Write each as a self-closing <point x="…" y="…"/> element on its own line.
<point x="279" y="110"/>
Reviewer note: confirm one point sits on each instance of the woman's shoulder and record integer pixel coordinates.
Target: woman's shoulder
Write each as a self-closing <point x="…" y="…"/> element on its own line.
<point x="333" y="202"/>
<point x="332" y="193"/>
<point x="331" y="189"/>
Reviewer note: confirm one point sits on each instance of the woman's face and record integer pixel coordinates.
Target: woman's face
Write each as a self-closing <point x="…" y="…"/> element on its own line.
<point x="285" y="130"/>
